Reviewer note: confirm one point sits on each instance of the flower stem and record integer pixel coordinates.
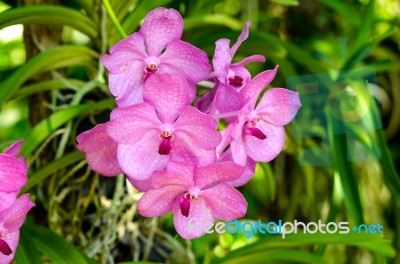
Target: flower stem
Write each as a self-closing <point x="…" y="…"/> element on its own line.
<point x="225" y="115"/>
<point x="114" y="19"/>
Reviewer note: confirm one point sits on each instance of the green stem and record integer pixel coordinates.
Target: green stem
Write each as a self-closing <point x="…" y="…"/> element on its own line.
<point x="114" y="19"/>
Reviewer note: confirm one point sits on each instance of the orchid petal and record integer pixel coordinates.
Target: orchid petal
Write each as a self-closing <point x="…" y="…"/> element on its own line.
<point x="142" y="186"/>
<point x="226" y="202"/>
<point x="7" y="199"/>
<point x="266" y="149"/>
<point x="14" y="149"/>
<point x="176" y="173"/>
<point x="222" y="59"/>
<point x="129" y="125"/>
<point x="199" y="213"/>
<point x="168" y="93"/>
<point x="182" y="151"/>
<point x="141" y="159"/>
<point x="279" y="106"/>
<point x="12" y="240"/>
<point x="186" y="60"/>
<point x="100" y="149"/>
<point x="160" y="27"/>
<point x="156" y="202"/>
<point x="247" y="60"/>
<point x="14" y="216"/>
<point x="257" y="84"/>
<point x="239" y="152"/>
<point x="197" y="128"/>
<point x="217" y="172"/>
<point x="242" y="37"/>
<point x="12" y="173"/>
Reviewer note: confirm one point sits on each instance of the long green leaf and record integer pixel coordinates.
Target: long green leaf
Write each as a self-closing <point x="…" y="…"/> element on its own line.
<point x="47" y="126"/>
<point x="55" y="247"/>
<point x="52" y="167"/>
<point x="27" y="253"/>
<point x="59" y="57"/>
<point x="49" y="14"/>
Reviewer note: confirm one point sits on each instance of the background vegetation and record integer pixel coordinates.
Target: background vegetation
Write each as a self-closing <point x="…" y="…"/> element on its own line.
<point x="340" y="163"/>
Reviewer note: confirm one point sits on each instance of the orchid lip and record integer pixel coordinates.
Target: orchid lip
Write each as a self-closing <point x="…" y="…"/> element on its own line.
<point x="184" y="203"/>
<point x="5" y="248"/>
<point x="165" y="145"/>
<point x="236" y="81"/>
<point x="255" y="132"/>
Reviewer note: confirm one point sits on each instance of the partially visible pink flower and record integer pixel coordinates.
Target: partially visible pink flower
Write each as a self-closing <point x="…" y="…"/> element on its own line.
<point x="11" y="220"/>
<point x="162" y="129"/>
<point x="259" y="132"/>
<point x="13" y="172"/>
<point x="191" y="191"/>
<point x="156" y="48"/>
<point x="231" y="77"/>
<point x="100" y="150"/>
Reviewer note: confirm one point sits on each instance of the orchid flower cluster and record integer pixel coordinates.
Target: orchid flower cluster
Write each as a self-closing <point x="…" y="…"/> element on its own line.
<point x="165" y="139"/>
<point x="13" y="210"/>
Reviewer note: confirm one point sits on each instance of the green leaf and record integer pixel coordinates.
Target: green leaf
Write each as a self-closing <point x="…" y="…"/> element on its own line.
<point x="58" y="57"/>
<point x="55" y="247"/>
<point x="287" y="2"/>
<point x="266" y="244"/>
<point x="52" y="167"/>
<point x="49" y="14"/>
<point x="347" y="11"/>
<point x="27" y="253"/>
<point x="215" y="19"/>
<point x="47" y="126"/>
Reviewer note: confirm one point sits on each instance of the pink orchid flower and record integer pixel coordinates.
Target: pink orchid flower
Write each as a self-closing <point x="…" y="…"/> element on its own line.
<point x="11" y="221"/>
<point x="156" y="48"/>
<point x="162" y="129"/>
<point x="259" y="132"/>
<point x="194" y="192"/>
<point x="13" y="177"/>
<point x="101" y="154"/>
<point x="231" y="77"/>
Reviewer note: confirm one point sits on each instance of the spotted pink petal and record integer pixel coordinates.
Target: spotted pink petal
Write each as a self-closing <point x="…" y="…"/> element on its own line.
<point x="127" y="86"/>
<point x="168" y="93"/>
<point x="160" y="27"/>
<point x="217" y="172"/>
<point x="248" y="171"/>
<point x="176" y="173"/>
<point x="100" y="150"/>
<point x="226" y="202"/>
<point x="183" y="151"/>
<point x="222" y="59"/>
<point x="12" y="173"/>
<point x="125" y="54"/>
<point x="197" y="128"/>
<point x="279" y="106"/>
<point x="186" y="60"/>
<point x="14" y="149"/>
<point x="129" y="125"/>
<point x="247" y="60"/>
<point x="257" y="84"/>
<point x="139" y="160"/>
<point x="12" y="241"/>
<point x="239" y="152"/>
<point x="7" y="199"/>
<point x="156" y="202"/>
<point x="199" y="213"/>
<point x="228" y="100"/>
<point x="142" y="186"/>
<point x="267" y="149"/>
<point x="13" y="218"/>
<point x="242" y="37"/>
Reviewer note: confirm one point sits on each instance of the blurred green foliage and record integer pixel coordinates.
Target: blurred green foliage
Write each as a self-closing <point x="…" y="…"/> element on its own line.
<point x="333" y="168"/>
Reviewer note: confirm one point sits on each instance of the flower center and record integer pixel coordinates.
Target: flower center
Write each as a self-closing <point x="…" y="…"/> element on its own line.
<point x="251" y="129"/>
<point x="165" y="146"/>
<point x="184" y="203"/>
<point x="4" y="247"/>
<point x="151" y="68"/>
